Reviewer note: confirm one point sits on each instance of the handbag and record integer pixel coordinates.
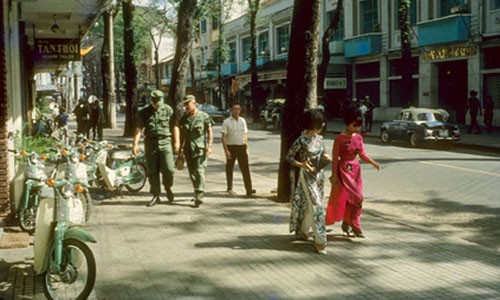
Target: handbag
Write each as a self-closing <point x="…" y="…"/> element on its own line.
<point x="179" y="161"/>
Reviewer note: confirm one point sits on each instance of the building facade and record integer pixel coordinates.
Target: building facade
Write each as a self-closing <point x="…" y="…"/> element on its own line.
<point x="454" y="46"/>
<point x="37" y="37"/>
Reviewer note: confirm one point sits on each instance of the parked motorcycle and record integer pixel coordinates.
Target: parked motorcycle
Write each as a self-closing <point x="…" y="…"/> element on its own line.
<point x="116" y="168"/>
<point x="62" y="257"/>
<point x="30" y="175"/>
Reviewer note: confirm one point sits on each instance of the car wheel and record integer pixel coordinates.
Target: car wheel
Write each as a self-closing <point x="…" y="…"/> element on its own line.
<point x="384" y="136"/>
<point x="414" y="140"/>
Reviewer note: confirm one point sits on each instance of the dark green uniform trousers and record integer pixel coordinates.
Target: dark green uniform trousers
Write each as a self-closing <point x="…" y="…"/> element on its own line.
<point x="196" y="167"/>
<point x="159" y="159"/>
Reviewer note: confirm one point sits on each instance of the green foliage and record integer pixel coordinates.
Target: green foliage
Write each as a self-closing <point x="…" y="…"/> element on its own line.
<point x="38" y="144"/>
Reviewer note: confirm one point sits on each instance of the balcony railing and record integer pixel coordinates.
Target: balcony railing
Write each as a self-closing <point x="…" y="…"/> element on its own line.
<point x="365" y="44"/>
<point x="228" y="69"/>
<point x="452" y="28"/>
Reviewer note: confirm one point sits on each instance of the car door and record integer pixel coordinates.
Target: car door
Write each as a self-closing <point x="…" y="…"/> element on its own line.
<point x="405" y="125"/>
<point x="399" y="126"/>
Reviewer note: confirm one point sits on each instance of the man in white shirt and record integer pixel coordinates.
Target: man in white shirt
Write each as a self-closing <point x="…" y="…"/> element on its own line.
<point x="235" y="141"/>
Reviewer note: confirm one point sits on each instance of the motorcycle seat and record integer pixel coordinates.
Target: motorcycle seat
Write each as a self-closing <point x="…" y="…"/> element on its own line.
<point x="121" y="155"/>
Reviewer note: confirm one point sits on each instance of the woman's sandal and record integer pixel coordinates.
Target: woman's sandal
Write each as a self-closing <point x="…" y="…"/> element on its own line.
<point x="320" y="248"/>
<point x="358" y="233"/>
<point x="346" y="230"/>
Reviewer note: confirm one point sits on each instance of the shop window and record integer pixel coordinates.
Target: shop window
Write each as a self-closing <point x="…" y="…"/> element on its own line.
<point x="369" y="16"/>
<point x="448" y="7"/>
<point x="203" y="26"/>
<point x="246" y="44"/>
<point x="263" y="48"/>
<point x="283" y="39"/>
<point x="412" y="12"/>
<point x="490" y="58"/>
<point x="232" y="52"/>
<point x="395" y="92"/>
<point x="369" y="70"/>
<point x="495" y="4"/>
<point x="396" y="66"/>
<point x="338" y="34"/>
<point x="215" y="22"/>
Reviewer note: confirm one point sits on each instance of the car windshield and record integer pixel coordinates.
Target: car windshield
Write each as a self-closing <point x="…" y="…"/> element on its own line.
<point x="429" y="116"/>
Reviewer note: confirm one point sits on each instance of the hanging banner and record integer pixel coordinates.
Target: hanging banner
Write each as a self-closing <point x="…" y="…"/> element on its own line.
<point x="60" y="50"/>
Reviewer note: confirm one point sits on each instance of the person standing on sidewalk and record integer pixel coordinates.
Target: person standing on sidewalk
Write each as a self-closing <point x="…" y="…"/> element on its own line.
<point x="474" y="107"/>
<point x="96" y="119"/>
<point x="196" y="140"/>
<point x="81" y="112"/>
<point x="488" y="112"/>
<point x="369" y="113"/>
<point x="307" y="154"/>
<point x="346" y="196"/>
<point x="156" y="119"/>
<point x="235" y="142"/>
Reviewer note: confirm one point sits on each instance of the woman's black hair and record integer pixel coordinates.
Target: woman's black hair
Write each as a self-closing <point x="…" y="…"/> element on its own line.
<point x="314" y="119"/>
<point x="352" y="115"/>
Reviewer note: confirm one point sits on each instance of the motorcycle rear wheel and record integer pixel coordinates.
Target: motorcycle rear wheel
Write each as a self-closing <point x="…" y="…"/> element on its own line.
<point x="77" y="278"/>
<point x="27" y="219"/>
<point x="140" y="170"/>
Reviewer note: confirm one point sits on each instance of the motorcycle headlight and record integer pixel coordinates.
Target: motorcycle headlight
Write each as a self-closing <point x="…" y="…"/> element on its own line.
<point x="68" y="190"/>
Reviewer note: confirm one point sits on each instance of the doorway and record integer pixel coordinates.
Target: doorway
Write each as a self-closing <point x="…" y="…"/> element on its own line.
<point x="453" y="89"/>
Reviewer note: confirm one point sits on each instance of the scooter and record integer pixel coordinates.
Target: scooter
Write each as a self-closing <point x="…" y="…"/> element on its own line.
<point x="62" y="257"/>
<point x="30" y="174"/>
<point x="117" y="168"/>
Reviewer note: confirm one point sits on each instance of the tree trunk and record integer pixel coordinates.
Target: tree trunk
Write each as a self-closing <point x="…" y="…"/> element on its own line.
<point x="130" y="68"/>
<point x="181" y="58"/>
<point x="301" y="86"/>
<point x="108" y="71"/>
<point x="105" y="61"/>
<point x="407" y="66"/>
<point x="253" y="7"/>
<point x="192" y="66"/>
<point x="325" y="60"/>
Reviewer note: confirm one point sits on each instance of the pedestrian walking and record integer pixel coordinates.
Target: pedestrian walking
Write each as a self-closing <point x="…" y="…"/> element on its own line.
<point x="369" y="113"/>
<point x="362" y="108"/>
<point x="307" y="155"/>
<point x="61" y="119"/>
<point x="346" y="196"/>
<point x="81" y="112"/>
<point x="474" y="107"/>
<point x="488" y="106"/>
<point x="96" y="119"/>
<point x="196" y="144"/>
<point x="235" y="142"/>
<point x="157" y="120"/>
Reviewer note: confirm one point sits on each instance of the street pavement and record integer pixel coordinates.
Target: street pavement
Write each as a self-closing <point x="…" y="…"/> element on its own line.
<point x="232" y="247"/>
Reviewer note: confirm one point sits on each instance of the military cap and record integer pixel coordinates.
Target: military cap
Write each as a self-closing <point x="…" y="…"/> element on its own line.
<point x="156" y="95"/>
<point x="188" y="98"/>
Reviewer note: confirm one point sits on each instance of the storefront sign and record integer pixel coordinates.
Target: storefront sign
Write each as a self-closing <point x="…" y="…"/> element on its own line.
<point x="450" y="52"/>
<point x="335" y="83"/>
<point x="63" y="50"/>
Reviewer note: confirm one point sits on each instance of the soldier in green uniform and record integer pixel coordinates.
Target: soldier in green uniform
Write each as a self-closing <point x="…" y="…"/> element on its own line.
<point x="196" y="140"/>
<point x="156" y="119"/>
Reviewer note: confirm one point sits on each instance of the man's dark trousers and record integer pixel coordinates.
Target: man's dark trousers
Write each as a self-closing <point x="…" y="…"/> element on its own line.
<point x="238" y="152"/>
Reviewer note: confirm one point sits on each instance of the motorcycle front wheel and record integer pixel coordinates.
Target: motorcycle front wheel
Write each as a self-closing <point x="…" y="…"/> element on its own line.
<point x="78" y="272"/>
<point x="139" y="178"/>
<point x="87" y="204"/>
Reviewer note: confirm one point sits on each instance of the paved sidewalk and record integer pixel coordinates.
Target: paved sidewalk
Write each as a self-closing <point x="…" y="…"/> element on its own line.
<point x="238" y="248"/>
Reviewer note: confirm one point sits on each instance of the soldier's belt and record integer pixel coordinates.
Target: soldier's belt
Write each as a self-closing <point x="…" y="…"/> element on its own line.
<point x="155" y="138"/>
